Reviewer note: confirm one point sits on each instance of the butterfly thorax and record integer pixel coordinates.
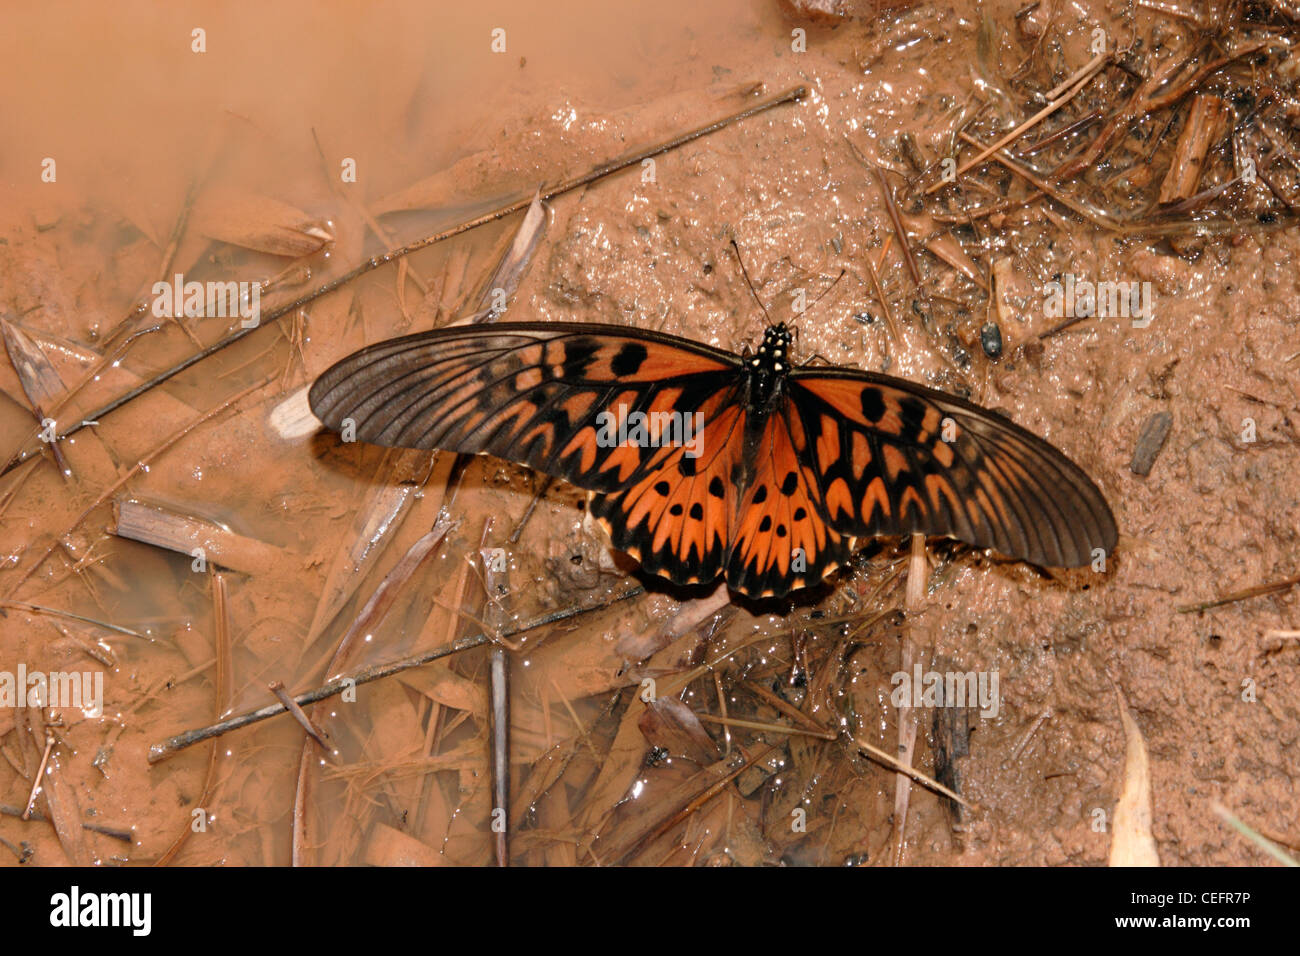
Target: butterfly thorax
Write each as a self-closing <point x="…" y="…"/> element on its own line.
<point x="763" y="390"/>
<point x="767" y="368"/>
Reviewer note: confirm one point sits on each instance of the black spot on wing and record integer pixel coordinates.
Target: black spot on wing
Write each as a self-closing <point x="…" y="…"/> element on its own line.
<point x="911" y="413"/>
<point x="578" y="355"/>
<point x="629" y="359"/>
<point x="873" y="405"/>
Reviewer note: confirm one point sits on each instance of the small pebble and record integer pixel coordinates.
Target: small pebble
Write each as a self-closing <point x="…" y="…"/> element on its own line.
<point x="1152" y="437"/>
<point x="991" y="339"/>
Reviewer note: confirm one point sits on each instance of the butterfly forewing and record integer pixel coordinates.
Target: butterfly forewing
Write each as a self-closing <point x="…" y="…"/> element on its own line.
<point x="528" y="392"/>
<point x="894" y="458"/>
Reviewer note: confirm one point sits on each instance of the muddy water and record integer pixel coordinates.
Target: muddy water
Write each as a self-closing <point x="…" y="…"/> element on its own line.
<point x="309" y="534"/>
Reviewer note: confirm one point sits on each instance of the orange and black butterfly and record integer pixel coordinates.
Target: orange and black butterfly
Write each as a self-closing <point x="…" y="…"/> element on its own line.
<point x="701" y="463"/>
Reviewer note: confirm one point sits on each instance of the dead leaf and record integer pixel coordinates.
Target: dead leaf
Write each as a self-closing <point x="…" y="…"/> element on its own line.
<point x="440" y="683"/>
<point x="389" y="847"/>
<point x="187" y="533"/>
<point x="670" y="724"/>
<point x="40" y="382"/>
<point x="510" y="271"/>
<point x="1132" y="843"/>
<point x="260" y="223"/>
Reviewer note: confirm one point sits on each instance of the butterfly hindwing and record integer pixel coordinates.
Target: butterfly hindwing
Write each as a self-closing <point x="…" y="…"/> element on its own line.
<point x="895" y="458"/>
<point x="676" y="520"/>
<point x="780" y="539"/>
<point x="528" y="392"/>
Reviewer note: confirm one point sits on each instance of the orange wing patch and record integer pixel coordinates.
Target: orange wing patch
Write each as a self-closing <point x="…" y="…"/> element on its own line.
<point x="675" y="519"/>
<point x="780" y="539"/>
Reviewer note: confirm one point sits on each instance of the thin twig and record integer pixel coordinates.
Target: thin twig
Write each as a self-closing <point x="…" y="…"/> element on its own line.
<point x="495" y="586"/>
<point x="1063" y="94"/>
<point x="899" y="228"/>
<point x="117" y="833"/>
<point x="1028" y="735"/>
<point x="768" y="727"/>
<point x="40" y="775"/>
<point x="1265" y="844"/>
<point x="791" y="711"/>
<point x="1258" y="591"/>
<point x="884" y="301"/>
<point x="1097" y="218"/>
<point x="172" y="745"/>
<point x="895" y="764"/>
<point x="276" y="687"/>
<point x="542" y="487"/>
<point x="1063" y="325"/>
<point x="41" y="609"/>
<point x="1075" y="127"/>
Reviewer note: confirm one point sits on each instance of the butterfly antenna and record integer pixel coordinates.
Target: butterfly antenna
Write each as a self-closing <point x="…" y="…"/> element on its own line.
<point x="824" y="292"/>
<point x="809" y="309"/>
<point x="745" y="272"/>
<point x="818" y="355"/>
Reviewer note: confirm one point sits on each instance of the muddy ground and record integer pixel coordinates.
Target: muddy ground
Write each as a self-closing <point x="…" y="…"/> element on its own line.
<point x="302" y="530"/>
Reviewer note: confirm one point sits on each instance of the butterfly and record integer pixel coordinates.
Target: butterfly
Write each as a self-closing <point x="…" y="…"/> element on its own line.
<point x="701" y="463"/>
